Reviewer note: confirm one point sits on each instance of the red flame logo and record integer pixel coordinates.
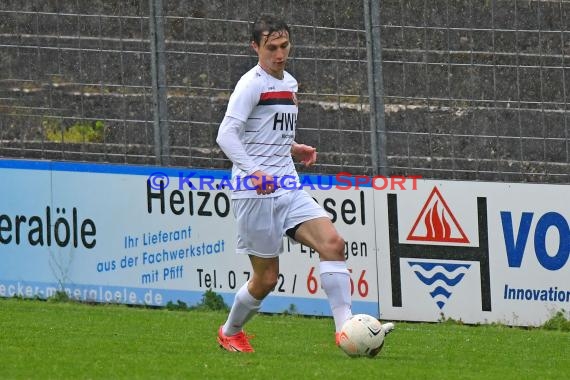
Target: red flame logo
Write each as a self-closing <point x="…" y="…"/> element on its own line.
<point x="439" y="224"/>
<point x="437" y="227"/>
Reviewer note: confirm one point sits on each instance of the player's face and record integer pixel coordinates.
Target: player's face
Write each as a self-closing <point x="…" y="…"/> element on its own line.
<point x="273" y="52"/>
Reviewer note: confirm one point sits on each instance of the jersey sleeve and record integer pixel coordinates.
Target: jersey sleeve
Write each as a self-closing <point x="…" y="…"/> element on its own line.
<point x="229" y="141"/>
<point x="243" y="100"/>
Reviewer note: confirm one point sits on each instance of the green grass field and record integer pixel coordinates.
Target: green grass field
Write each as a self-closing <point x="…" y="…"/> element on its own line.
<point x="49" y="340"/>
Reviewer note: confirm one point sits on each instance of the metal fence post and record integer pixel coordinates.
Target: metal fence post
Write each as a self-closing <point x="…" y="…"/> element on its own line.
<point x="159" y="90"/>
<point x="375" y="87"/>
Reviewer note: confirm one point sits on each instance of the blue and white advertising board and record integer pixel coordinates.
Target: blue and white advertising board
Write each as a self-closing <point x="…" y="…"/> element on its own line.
<point x="419" y="251"/>
<point x="107" y="233"/>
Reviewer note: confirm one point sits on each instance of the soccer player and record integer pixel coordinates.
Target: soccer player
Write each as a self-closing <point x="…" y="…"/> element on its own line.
<point x="257" y="135"/>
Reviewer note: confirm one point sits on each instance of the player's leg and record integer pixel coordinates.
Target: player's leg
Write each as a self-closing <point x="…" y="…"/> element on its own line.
<point x="310" y="225"/>
<point x="247" y="302"/>
<point x="321" y="235"/>
<point x="265" y="275"/>
<point x="259" y="236"/>
<point x="248" y="298"/>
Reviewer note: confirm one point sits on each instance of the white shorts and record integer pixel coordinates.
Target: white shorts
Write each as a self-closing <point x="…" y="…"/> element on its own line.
<point x="262" y="222"/>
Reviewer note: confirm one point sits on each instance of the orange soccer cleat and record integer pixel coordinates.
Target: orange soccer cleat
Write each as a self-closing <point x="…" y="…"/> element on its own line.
<point x="234" y="343"/>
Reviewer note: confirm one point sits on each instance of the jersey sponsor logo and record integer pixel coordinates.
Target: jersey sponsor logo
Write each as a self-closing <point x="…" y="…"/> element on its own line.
<point x="438" y="266"/>
<point x="277" y="97"/>
<point x="284" y="121"/>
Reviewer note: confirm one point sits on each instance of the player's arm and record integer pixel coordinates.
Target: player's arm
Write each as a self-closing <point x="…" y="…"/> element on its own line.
<point x="305" y="154"/>
<point x="229" y="141"/>
<point x="240" y="106"/>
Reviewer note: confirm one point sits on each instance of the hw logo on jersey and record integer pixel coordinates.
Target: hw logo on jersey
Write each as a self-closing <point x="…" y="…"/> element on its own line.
<point x="282" y="121"/>
<point x="436" y="223"/>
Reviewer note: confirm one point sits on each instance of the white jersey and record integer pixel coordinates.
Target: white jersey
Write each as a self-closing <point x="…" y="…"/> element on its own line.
<point x="267" y="108"/>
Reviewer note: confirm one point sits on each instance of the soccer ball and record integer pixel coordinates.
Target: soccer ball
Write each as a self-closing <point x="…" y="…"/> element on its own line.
<point x="361" y="335"/>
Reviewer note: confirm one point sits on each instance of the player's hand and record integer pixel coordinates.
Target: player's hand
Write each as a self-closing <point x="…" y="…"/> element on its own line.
<point x="305" y="154"/>
<point x="263" y="183"/>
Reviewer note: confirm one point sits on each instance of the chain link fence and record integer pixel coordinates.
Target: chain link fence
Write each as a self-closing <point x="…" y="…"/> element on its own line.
<point x="477" y="89"/>
<point x="76" y="81"/>
<point x="471" y="89"/>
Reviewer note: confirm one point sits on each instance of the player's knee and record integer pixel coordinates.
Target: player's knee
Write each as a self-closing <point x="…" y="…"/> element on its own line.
<point x="269" y="282"/>
<point x="339" y="244"/>
<point x="335" y="248"/>
<point x="272" y="284"/>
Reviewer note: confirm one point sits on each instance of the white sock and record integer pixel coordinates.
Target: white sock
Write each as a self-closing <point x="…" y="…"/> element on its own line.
<point x="245" y="306"/>
<point x="335" y="281"/>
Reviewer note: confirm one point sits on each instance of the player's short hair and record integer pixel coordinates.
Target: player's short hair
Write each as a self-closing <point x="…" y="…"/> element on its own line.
<point x="267" y="23"/>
